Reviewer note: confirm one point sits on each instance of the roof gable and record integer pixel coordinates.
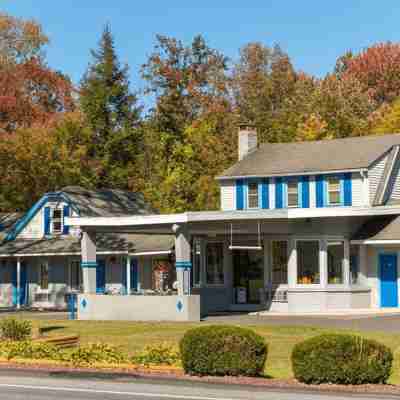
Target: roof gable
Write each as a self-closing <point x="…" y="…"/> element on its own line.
<point x="347" y="154"/>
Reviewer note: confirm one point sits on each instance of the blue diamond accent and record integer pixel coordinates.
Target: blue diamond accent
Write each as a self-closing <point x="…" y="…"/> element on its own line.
<point x="179" y="306"/>
<point x="83" y="303"/>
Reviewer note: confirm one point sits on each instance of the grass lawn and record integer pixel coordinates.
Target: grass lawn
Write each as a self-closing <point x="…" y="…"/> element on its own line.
<point x="133" y="336"/>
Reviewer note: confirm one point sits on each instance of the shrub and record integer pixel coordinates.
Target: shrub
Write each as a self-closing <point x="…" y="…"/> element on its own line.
<point x="95" y="353"/>
<point x="30" y="350"/>
<point x="15" y="329"/>
<point x="162" y="353"/>
<point x="223" y="350"/>
<point x="342" y="359"/>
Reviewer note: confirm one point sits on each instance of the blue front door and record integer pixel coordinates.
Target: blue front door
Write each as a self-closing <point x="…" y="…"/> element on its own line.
<point x="388" y="277"/>
<point x="101" y="276"/>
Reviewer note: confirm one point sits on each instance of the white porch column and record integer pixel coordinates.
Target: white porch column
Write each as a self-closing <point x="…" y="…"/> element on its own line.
<point x="183" y="261"/>
<point x="18" y="283"/>
<point x="89" y="263"/>
<point x="346" y="263"/>
<point x="128" y="275"/>
<point x="292" y="263"/>
<point x="323" y="263"/>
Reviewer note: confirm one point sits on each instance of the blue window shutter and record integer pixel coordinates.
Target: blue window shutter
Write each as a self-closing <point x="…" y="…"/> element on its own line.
<point x="265" y="193"/>
<point x="279" y="193"/>
<point x="319" y="188"/>
<point x="240" y="194"/>
<point x="47" y="220"/>
<point x="347" y="190"/>
<point x="305" y="192"/>
<point x="65" y="214"/>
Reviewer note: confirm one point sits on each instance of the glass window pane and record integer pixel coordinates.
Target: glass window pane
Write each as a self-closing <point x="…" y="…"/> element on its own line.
<point x="57" y="220"/>
<point x="44" y="276"/>
<point x="334" y="197"/>
<point x="253" y="195"/>
<point x="279" y="262"/>
<point x="307" y="262"/>
<point x="354" y="264"/>
<point x="335" y="262"/>
<point x="196" y="262"/>
<point x="293" y="195"/>
<point x="215" y="264"/>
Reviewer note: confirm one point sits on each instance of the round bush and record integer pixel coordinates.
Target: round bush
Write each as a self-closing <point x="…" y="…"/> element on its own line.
<point x="341" y="359"/>
<point x="223" y="350"/>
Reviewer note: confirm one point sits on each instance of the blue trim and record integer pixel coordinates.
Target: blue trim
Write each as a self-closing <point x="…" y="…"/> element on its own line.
<point x="47" y="221"/>
<point x="264" y="193"/>
<point x="66" y="211"/>
<point x="239" y="194"/>
<point x="347" y="189"/>
<point x="21" y="224"/>
<point x="89" y="264"/>
<point x="124" y="278"/>
<point x="305" y="191"/>
<point x="183" y="264"/>
<point x="319" y="190"/>
<point x="278" y="193"/>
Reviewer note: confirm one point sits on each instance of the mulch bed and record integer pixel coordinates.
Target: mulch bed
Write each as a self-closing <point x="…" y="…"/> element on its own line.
<point x="174" y="374"/>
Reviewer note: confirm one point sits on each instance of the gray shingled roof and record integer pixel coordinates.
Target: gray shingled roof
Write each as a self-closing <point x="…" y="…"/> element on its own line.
<point x="380" y="228"/>
<point x="105" y="243"/>
<point x="106" y="202"/>
<point x="307" y="157"/>
<point x="7" y="221"/>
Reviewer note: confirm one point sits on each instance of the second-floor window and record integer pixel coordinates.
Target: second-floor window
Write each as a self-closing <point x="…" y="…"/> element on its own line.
<point x="292" y="194"/>
<point x="57" y="221"/>
<point x="333" y="184"/>
<point x="252" y="195"/>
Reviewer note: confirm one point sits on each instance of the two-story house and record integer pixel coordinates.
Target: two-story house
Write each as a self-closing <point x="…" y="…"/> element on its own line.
<point x="305" y="226"/>
<point x="40" y="256"/>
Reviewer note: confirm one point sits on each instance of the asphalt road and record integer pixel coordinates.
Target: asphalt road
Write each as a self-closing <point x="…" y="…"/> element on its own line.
<point x="23" y="387"/>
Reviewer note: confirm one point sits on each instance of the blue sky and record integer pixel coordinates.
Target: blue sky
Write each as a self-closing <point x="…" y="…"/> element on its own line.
<point x="313" y="32"/>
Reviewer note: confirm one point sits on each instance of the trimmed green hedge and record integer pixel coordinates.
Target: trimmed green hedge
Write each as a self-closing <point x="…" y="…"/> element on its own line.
<point x="223" y="350"/>
<point x="341" y="359"/>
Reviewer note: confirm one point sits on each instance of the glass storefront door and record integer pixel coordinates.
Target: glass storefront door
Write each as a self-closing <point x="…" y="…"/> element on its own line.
<point x="248" y="276"/>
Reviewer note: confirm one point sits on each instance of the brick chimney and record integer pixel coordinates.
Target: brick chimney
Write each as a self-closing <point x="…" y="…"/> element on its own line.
<point x="247" y="140"/>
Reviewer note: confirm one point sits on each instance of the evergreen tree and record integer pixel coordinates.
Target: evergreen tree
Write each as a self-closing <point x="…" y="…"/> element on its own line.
<point x="112" y="112"/>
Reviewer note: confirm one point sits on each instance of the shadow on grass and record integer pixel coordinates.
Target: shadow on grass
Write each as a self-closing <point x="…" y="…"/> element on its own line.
<point x="47" y="329"/>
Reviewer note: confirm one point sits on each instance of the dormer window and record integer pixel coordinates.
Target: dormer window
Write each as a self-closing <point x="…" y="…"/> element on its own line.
<point x="252" y="195"/>
<point x="333" y="183"/>
<point x="57" y="221"/>
<point x="292" y="193"/>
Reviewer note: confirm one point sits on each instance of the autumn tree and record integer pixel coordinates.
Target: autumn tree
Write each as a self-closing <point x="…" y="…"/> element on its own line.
<point x="30" y="92"/>
<point x="263" y="80"/>
<point x="377" y="68"/>
<point x="40" y="159"/>
<point x="112" y="113"/>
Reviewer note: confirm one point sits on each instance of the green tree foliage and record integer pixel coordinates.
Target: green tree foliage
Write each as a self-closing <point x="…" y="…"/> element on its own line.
<point x="112" y="113"/>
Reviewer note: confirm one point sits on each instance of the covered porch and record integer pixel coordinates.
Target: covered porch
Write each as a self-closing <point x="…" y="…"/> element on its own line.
<point x="227" y="261"/>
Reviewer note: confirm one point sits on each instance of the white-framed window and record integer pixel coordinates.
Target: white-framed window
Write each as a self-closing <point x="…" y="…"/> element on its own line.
<point x="335" y="253"/>
<point x="215" y="263"/>
<point x="252" y="195"/>
<point x="43" y="278"/>
<point x="308" y="266"/>
<point x="75" y="275"/>
<point x="57" y="221"/>
<point x="196" y="262"/>
<point x="292" y="193"/>
<point x="333" y="186"/>
<point x="279" y="262"/>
